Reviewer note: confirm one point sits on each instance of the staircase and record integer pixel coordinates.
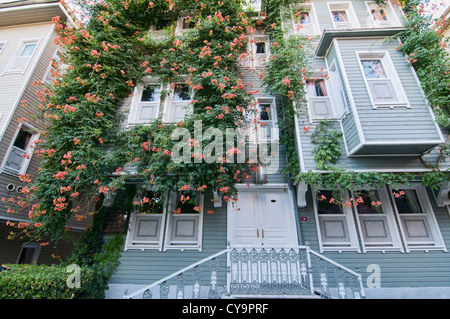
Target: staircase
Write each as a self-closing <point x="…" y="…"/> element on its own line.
<point x="287" y="272"/>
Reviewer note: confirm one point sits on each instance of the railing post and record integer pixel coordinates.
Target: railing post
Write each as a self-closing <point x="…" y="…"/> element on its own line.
<point x="308" y="257"/>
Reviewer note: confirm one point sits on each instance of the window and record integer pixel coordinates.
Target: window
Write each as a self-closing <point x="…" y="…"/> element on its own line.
<point x="382" y="15"/>
<point x="186" y="23"/>
<point x="335" y="224"/>
<point x="319" y="103"/>
<point x="147" y="222"/>
<point x="185" y="221"/>
<point x="402" y="220"/>
<point x="257" y="53"/>
<point x="145" y="104"/>
<point x="416" y="219"/>
<point x="29" y="253"/>
<point x="20" y="151"/>
<point x="55" y="68"/>
<point x="305" y="20"/>
<point x="382" y="82"/>
<point x="343" y="15"/>
<point x="267" y="128"/>
<point x="375" y="220"/>
<point x="2" y="46"/>
<point x="22" y="57"/>
<point x="177" y="104"/>
<point x="156" y="225"/>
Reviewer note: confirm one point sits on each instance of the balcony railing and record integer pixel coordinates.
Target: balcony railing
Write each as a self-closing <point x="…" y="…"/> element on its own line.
<point x="287" y="272"/>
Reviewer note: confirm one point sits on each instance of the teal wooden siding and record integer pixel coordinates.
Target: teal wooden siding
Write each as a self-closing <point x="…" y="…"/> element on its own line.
<point x="413" y="269"/>
<point x="147" y="266"/>
<point x="385" y="124"/>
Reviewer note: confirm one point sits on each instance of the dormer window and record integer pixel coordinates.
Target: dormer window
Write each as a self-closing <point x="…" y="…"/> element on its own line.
<point x="382" y="15"/>
<point x="304" y="19"/>
<point x="343" y="15"/>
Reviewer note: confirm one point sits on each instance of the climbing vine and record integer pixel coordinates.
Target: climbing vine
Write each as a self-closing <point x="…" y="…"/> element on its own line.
<point x="328" y="147"/>
<point x="86" y="154"/>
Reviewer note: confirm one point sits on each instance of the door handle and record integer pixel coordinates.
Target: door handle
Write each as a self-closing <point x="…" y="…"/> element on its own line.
<point x="257" y="233"/>
<point x="263" y="233"/>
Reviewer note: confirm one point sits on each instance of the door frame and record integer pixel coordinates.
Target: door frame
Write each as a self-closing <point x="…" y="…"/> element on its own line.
<point x="266" y="187"/>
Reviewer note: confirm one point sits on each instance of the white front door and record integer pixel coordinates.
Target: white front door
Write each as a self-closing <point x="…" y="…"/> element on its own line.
<point x="262" y="217"/>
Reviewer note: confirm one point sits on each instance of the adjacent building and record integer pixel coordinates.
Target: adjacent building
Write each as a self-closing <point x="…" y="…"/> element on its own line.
<point x="28" y="55"/>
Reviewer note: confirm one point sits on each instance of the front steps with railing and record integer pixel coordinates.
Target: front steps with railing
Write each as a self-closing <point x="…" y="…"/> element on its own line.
<point x="287" y="272"/>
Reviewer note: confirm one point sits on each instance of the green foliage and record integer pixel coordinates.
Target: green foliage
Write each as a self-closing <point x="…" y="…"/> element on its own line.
<point x="84" y="143"/>
<point x="48" y="282"/>
<point x="424" y="48"/>
<point x="328" y="149"/>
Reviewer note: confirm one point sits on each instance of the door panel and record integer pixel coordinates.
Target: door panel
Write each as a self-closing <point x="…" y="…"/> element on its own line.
<point x="276" y="221"/>
<point x="263" y="217"/>
<point x="242" y="220"/>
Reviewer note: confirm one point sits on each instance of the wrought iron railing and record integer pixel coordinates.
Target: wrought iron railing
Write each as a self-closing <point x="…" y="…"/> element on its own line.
<point x="293" y="272"/>
<point x="201" y="280"/>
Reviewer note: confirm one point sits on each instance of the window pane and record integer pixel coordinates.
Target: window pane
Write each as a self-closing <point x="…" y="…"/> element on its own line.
<point x="182" y="93"/>
<point x="316" y="88"/>
<point x="152" y="203"/>
<point x="22" y="139"/>
<point x="368" y="202"/>
<point x="326" y="203"/>
<point x="26" y="256"/>
<point x="260" y="47"/>
<point x="339" y="16"/>
<point x="28" y="50"/>
<point x="150" y="93"/>
<point x="373" y="69"/>
<point x="379" y="14"/>
<point x="407" y="201"/>
<point x="187" y="202"/>
<point x="302" y="17"/>
<point x="265" y="112"/>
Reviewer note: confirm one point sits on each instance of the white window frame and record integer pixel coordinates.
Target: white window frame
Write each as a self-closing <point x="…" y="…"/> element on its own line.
<point x="308" y="29"/>
<point x="170" y="105"/>
<point x="387" y="217"/>
<point x="29" y="151"/>
<point x="392" y="18"/>
<point x="137" y="104"/>
<point x="25" y="59"/>
<point x="311" y="100"/>
<point x="173" y="218"/>
<point x="347" y="217"/>
<point x="428" y="213"/>
<point x="349" y="11"/>
<point x="55" y="61"/>
<point x="2" y="46"/>
<point x="262" y="129"/>
<point x="132" y="241"/>
<point x="391" y="75"/>
<point x="255" y="60"/>
<point x="36" y="253"/>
